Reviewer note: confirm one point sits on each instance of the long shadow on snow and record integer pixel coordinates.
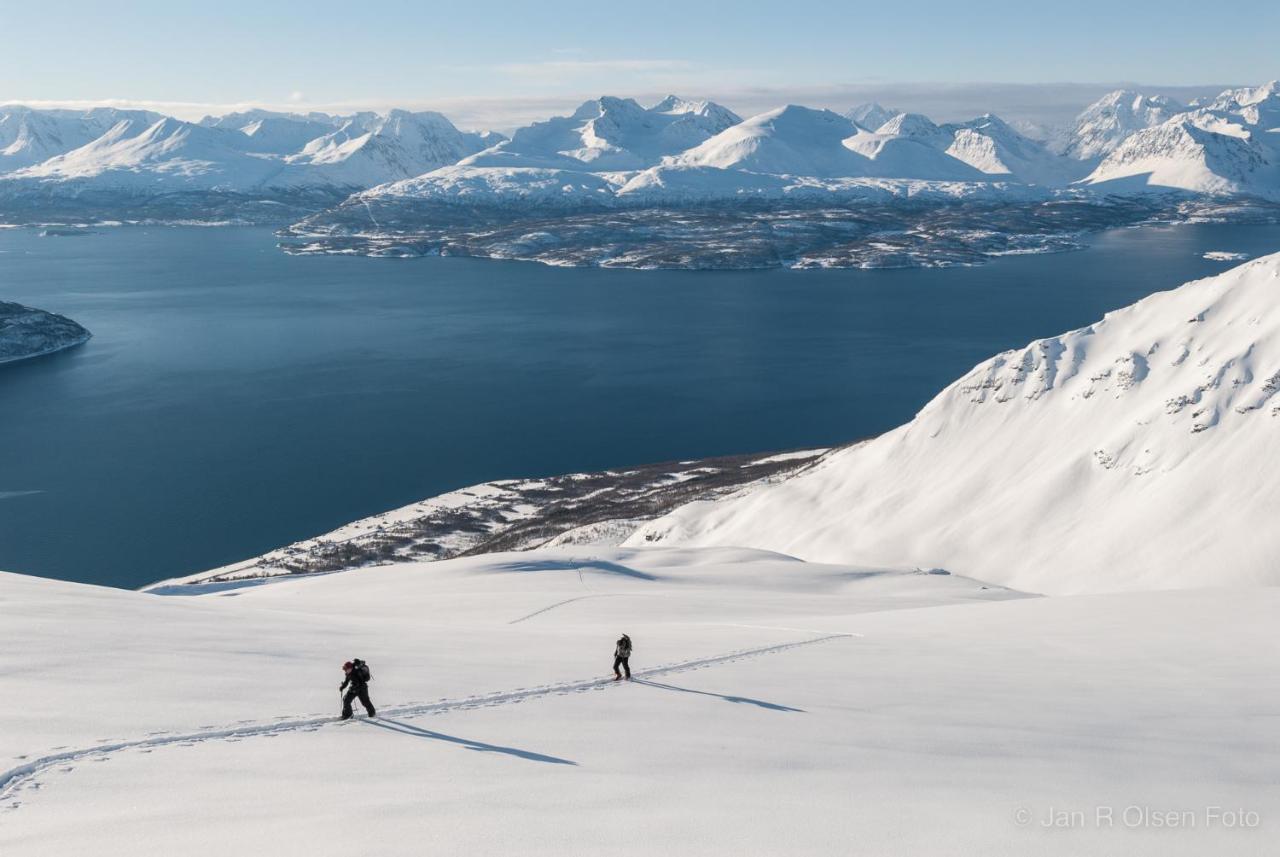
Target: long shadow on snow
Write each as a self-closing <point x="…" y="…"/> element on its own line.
<point x="585" y="565"/>
<point x="418" y="732"/>
<point x="772" y="706"/>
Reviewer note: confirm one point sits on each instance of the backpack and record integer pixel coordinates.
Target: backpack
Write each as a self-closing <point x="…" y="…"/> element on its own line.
<point x="624" y="647"/>
<point x="361" y="669"/>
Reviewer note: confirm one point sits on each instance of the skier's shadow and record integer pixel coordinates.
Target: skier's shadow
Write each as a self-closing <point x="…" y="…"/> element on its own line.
<point x="772" y="706"/>
<point x="480" y="746"/>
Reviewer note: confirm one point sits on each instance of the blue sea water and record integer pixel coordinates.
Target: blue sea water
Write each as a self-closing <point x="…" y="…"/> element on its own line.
<point x="234" y="398"/>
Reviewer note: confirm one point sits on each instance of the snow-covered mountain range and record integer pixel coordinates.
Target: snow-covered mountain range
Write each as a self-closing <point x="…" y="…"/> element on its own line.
<point x="1135" y="453"/>
<point x="615" y="151"/>
<point x="1229" y="146"/>
<point x="65" y="153"/>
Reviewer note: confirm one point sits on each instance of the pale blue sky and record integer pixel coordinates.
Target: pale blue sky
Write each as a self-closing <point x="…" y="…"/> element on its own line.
<point x="498" y="57"/>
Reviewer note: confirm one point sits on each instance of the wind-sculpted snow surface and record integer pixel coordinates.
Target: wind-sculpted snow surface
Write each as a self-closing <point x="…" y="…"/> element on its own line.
<point x="1136" y="453"/>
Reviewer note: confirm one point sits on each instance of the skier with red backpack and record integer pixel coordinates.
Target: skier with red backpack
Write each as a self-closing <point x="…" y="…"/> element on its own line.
<point x="358" y="677"/>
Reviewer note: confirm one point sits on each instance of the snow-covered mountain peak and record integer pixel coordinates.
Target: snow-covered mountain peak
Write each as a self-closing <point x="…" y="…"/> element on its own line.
<point x="1104" y="125"/>
<point x="29" y="136"/>
<point x="995" y="148"/>
<point x="135" y="155"/>
<point x="370" y="149"/>
<point x="1090" y="461"/>
<point x="1247" y="96"/>
<point x="870" y="115"/>
<point x="790" y="140"/>
<point x="608" y="134"/>
<point x="719" y="116"/>
<point x="1202" y="151"/>
<point x="917" y="126"/>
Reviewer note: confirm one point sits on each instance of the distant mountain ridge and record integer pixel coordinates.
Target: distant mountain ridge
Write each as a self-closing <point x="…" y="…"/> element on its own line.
<point x="678" y="151"/>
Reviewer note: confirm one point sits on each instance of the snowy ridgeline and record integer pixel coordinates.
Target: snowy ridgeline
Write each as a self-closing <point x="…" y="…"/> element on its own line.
<point x="26" y="332"/>
<point x="512" y="514"/>
<point x="794" y="185"/>
<point x="1136" y="453"/>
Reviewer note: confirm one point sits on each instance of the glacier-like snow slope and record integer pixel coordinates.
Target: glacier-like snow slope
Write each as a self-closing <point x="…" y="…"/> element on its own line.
<point x="778" y="707"/>
<point x="1136" y="453"/>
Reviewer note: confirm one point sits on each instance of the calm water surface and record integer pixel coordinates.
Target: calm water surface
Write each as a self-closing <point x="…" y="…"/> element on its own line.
<point x="234" y="398"/>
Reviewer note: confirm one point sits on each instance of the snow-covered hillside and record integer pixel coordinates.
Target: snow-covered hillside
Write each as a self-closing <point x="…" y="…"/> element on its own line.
<point x="776" y="707"/>
<point x="1136" y="453"/>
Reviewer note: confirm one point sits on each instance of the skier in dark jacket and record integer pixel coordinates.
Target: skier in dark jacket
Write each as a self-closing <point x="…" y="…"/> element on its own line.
<point x="357" y="672"/>
<point x="622" y="657"/>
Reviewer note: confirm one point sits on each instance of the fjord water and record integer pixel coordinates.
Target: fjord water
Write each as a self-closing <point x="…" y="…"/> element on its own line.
<point x="234" y="398"/>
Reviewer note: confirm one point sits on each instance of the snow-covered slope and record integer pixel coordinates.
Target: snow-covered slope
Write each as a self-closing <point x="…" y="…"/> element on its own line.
<point x="275" y="133"/>
<point x="136" y="155"/>
<point x="891" y="155"/>
<point x="367" y="151"/>
<point x="777" y="707"/>
<point x="916" y="126"/>
<point x="869" y="116"/>
<point x="28" y="136"/>
<point x="1136" y="453"/>
<point x="991" y="146"/>
<point x="791" y="140"/>
<point x="1104" y="125"/>
<point x="609" y="134"/>
<point x="1200" y="152"/>
<point x="1229" y="146"/>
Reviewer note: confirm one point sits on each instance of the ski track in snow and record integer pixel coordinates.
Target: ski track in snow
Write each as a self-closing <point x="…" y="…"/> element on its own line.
<point x="16" y="780"/>
<point x="568" y="601"/>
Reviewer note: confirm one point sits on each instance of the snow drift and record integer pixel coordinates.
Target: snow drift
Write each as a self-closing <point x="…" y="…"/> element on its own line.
<point x="1136" y="453"/>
